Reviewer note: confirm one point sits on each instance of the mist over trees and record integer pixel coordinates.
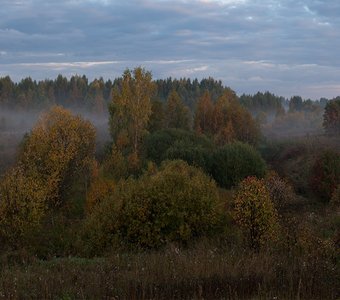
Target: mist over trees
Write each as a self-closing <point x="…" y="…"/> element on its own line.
<point x="188" y="175"/>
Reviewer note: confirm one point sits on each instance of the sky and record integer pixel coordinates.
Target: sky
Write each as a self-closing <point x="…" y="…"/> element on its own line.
<point x="287" y="47"/>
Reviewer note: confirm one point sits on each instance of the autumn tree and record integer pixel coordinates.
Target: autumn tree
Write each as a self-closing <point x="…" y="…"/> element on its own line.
<point x="59" y="149"/>
<point x="204" y="114"/>
<point x="130" y="111"/>
<point x="255" y="212"/>
<point x="100" y="189"/>
<point x="177" y="114"/>
<point x="223" y="128"/>
<point x="233" y="122"/>
<point x="56" y="155"/>
<point x="22" y="204"/>
<point x="331" y="117"/>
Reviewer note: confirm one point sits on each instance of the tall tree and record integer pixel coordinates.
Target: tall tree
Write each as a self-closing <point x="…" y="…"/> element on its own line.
<point x="177" y="114"/>
<point x="232" y="121"/>
<point x="295" y="104"/>
<point x="95" y="96"/>
<point x="130" y="111"/>
<point x="204" y="114"/>
<point x="6" y="91"/>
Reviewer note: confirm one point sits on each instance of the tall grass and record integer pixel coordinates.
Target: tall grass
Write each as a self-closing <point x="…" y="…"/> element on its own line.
<point x="209" y="270"/>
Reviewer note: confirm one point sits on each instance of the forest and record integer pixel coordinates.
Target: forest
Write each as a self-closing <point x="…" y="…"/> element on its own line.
<point x="136" y="188"/>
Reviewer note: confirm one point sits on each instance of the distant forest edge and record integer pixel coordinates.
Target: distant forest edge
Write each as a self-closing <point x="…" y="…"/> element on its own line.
<point x="277" y="116"/>
<point x="78" y="91"/>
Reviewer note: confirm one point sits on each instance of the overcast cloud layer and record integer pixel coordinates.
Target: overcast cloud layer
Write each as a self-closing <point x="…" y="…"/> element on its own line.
<point x="287" y="47"/>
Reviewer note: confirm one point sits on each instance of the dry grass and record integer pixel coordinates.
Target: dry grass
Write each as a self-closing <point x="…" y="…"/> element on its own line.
<point x="202" y="272"/>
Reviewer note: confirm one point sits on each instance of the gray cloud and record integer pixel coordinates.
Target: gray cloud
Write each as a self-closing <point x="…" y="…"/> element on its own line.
<point x="288" y="47"/>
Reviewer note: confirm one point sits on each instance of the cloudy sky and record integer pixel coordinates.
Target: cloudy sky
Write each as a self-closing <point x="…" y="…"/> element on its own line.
<point x="285" y="46"/>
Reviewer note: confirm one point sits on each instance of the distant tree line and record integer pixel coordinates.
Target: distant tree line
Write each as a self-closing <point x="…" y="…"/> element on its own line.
<point x="207" y="106"/>
<point x="78" y="91"/>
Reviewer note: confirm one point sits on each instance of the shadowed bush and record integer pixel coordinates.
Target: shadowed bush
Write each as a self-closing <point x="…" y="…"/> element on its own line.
<point x="234" y="162"/>
<point x="177" y="203"/>
<point x="325" y="174"/>
<point x="177" y="144"/>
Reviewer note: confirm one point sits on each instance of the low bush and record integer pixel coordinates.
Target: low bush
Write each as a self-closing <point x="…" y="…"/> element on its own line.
<point x="176" y="143"/>
<point x="234" y="162"/>
<point x="177" y="203"/>
<point x="281" y="192"/>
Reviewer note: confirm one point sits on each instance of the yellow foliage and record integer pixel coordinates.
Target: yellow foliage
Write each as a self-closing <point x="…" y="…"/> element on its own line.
<point x="255" y="212"/>
<point x="176" y="203"/>
<point x="58" y="151"/>
<point x="59" y="148"/>
<point x="22" y="203"/>
<point x="130" y="110"/>
<point x="115" y="166"/>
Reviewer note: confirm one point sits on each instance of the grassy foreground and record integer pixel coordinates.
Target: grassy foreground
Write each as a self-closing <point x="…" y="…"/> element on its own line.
<point x="201" y="272"/>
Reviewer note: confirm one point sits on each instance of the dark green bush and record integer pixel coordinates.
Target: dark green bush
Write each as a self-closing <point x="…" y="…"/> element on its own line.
<point x="234" y="162"/>
<point x="192" y="154"/>
<point x="179" y="144"/>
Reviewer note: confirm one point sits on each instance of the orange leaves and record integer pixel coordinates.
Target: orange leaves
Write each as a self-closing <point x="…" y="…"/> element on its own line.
<point x="204" y="114"/>
<point x="226" y="120"/>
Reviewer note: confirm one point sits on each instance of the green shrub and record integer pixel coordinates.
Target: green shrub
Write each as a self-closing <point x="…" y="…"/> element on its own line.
<point x="177" y="203"/>
<point x="192" y="154"/>
<point x="234" y="162"/>
<point x="176" y="143"/>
